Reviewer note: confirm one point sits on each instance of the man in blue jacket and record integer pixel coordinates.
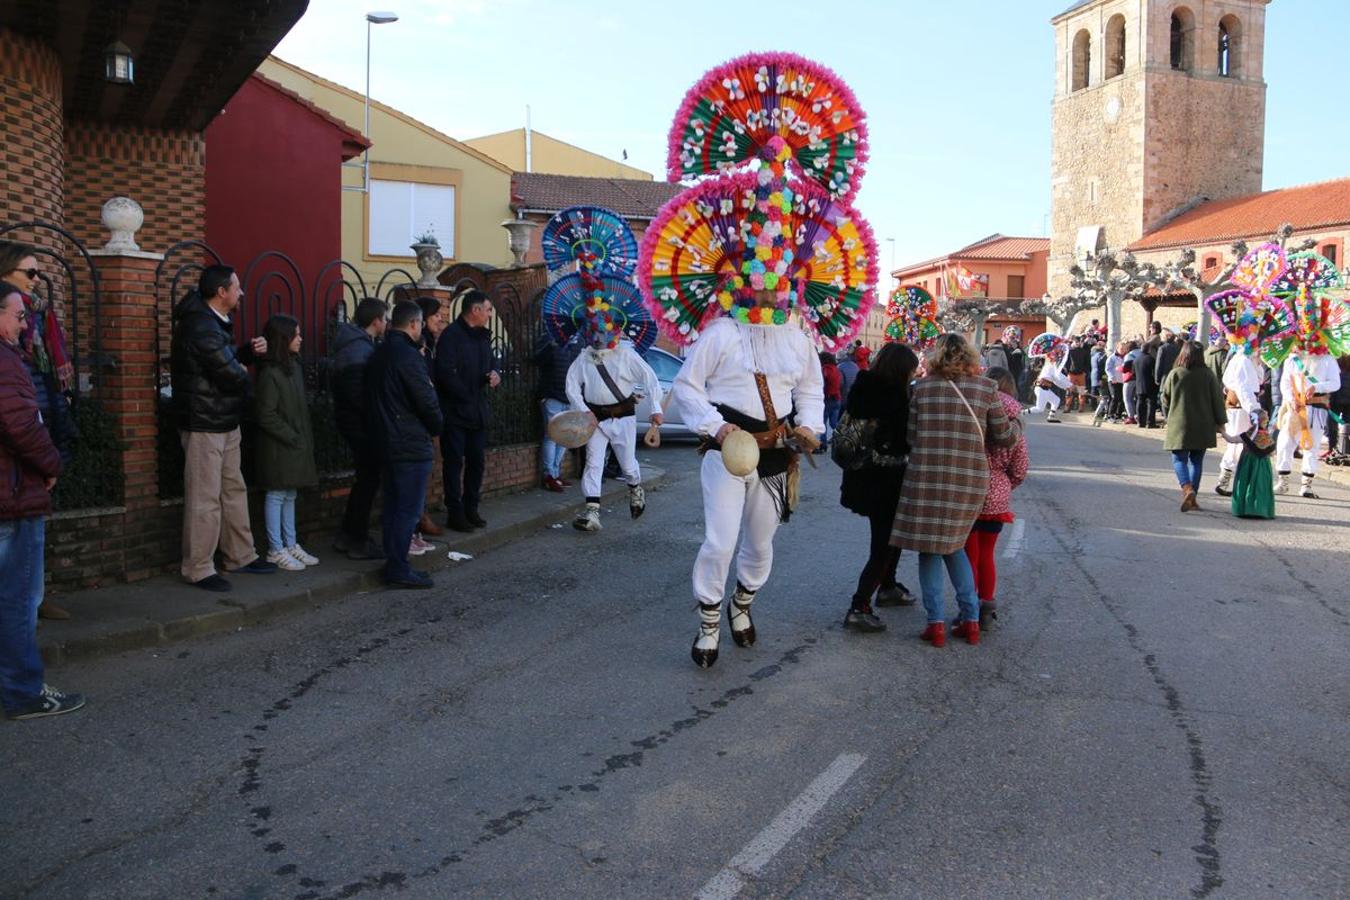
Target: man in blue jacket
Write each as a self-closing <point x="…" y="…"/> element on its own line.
<point x="403" y="414"/>
<point x="464" y="375"/>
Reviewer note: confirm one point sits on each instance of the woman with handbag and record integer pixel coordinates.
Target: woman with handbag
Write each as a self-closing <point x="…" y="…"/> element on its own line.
<point x="875" y="433"/>
<point x="954" y="414"/>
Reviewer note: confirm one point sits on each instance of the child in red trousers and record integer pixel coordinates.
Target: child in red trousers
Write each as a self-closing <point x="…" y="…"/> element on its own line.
<point x="1007" y="469"/>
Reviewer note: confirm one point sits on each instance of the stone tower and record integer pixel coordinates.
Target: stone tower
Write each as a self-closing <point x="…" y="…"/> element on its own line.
<point x="1159" y="105"/>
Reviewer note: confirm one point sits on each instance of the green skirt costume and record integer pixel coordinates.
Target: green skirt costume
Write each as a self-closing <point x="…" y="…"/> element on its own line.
<point x="1253" y="483"/>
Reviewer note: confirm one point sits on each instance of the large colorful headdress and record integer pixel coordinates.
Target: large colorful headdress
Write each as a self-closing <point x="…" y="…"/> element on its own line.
<point x="1012" y="336"/>
<point x="1322" y="321"/>
<point x="1048" y="345"/>
<point x="599" y="299"/>
<point x="1252" y="315"/>
<point x="911" y="314"/>
<point x="781" y="142"/>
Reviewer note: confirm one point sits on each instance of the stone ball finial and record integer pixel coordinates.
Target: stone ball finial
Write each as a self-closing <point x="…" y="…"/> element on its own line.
<point x="123" y="217"/>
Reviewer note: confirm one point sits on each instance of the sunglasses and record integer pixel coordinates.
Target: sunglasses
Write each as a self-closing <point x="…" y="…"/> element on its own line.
<point x="31" y="273"/>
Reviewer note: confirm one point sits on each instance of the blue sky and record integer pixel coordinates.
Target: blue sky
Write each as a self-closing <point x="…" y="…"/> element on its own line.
<point x="957" y="94"/>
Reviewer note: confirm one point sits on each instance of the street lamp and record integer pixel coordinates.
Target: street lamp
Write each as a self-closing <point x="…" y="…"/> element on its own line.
<point x="372" y="18"/>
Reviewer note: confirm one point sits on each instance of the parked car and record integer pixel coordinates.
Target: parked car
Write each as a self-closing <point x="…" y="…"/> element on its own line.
<point x="666" y="366"/>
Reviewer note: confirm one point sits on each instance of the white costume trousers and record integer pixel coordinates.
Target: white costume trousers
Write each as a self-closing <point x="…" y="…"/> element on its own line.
<point x="733" y="506"/>
<point x="1239" y="423"/>
<point x="621" y="434"/>
<point x="1287" y="443"/>
<point x="1046" y="398"/>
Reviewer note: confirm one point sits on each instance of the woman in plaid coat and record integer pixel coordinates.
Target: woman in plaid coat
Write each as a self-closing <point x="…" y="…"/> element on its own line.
<point x="954" y="414"/>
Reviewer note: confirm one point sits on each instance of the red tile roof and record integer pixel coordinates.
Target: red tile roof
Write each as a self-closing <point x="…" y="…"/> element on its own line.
<point x="629" y="197"/>
<point x="1306" y="207"/>
<point x="996" y="246"/>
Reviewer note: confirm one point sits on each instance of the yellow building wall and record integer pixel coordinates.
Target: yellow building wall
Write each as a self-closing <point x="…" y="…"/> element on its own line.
<point x="405" y="149"/>
<point x="550" y="156"/>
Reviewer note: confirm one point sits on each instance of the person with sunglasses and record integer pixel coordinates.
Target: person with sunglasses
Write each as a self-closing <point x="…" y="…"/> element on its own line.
<point x="42" y="345"/>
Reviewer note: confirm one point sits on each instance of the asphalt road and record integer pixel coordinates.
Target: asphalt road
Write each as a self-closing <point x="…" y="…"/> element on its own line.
<point x="1162" y="713"/>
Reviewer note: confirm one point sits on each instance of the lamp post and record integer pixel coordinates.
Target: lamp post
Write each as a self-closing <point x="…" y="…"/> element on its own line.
<point x="372" y="18"/>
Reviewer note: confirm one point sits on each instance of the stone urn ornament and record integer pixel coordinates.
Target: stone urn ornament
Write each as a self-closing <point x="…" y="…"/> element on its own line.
<point x="518" y="231"/>
<point x="429" y="259"/>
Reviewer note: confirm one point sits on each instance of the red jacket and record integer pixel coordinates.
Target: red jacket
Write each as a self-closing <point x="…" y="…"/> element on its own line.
<point x="834" y="382"/>
<point x="27" y="455"/>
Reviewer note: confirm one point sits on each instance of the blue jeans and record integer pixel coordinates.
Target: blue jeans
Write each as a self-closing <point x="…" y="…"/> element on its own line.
<point x="550" y="454"/>
<point x="21" y="547"/>
<point x="405" y="493"/>
<point x="279" y="515"/>
<point x="1188" y="464"/>
<point x="833" y="410"/>
<point x="934" y="590"/>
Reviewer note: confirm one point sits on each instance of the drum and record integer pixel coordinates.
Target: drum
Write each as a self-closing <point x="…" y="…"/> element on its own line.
<point x="571" y="429"/>
<point x="740" y="453"/>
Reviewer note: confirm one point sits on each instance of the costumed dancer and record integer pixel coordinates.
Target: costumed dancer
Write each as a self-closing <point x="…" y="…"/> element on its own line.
<point x="724" y="265"/>
<point x="600" y="302"/>
<point x="1052" y="373"/>
<point x="1309" y="353"/>
<point x="1253" y="486"/>
<point x="605" y="380"/>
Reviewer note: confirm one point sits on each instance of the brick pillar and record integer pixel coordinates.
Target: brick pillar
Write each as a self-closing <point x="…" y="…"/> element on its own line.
<point x="127" y="315"/>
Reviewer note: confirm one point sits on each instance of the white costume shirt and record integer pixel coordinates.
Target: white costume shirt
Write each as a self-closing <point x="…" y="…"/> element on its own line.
<point x="1323" y="375"/>
<point x="720" y="369"/>
<point x="630" y="373"/>
<point x="1052" y="373"/>
<point x="1242" y="377"/>
<point x="1115" y="368"/>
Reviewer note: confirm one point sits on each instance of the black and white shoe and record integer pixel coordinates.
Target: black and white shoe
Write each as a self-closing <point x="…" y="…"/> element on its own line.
<point x="704" y="651"/>
<point x="50" y="702"/>
<point x="738" y="616"/>
<point x="589" y="519"/>
<point x="637" y="500"/>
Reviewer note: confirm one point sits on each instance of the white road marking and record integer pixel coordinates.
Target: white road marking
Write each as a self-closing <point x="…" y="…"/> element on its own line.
<point x="755" y="855"/>
<point x="1014" y="546"/>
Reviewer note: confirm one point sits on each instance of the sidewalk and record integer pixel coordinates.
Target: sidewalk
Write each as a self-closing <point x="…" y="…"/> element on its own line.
<point x="165" y="609"/>
<point x="1336" y="474"/>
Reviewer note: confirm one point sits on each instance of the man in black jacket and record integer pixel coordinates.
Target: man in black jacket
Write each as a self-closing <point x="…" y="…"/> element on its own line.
<point x="211" y="391"/>
<point x="1147" y="385"/>
<point x="402" y="414"/>
<point x="1166" y="356"/>
<point x="464" y="375"/>
<point x="552" y="363"/>
<point x="352" y="348"/>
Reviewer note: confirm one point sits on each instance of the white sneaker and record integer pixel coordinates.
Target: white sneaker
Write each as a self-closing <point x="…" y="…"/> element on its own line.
<point x="418" y="546"/>
<point x="588" y="520"/>
<point x="299" y="553"/>
<point x="285" y="561"/>
<point x="1282" y="484"/>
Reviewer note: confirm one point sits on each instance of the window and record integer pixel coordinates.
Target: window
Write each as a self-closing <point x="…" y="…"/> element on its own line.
<point x="1115" y="46"/>
<point x="1230" y="37"/>
<point x="1329" y="251"/>
<point x="1182" y="36"/>
<point x="1211" y="262"/>
<point x="1017" y="286"/>
<point x="1082" y="60"/>
<point x="401" y="210"/>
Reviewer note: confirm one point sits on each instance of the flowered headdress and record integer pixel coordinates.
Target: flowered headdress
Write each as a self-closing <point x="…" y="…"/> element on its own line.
<point x="1012" y="336"/>
<point x="1048" y="345"/>
<point x="912" y="318"/>
<point x="1252" y="315"/>
<point x="1216" y="334"/>
<point x="781" y="143"/>
<point x="1322" y="321"/>
<point x="599" y="299"/>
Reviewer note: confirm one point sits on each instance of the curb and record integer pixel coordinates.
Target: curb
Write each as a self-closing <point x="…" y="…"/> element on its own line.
<point x="238" y="612"/>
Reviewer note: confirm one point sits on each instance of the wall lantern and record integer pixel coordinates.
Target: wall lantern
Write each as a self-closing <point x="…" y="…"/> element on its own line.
<point x="118" y="65"/>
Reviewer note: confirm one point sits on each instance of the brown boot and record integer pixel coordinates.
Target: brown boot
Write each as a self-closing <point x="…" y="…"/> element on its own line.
<point x="1187" y="498"/>
<point x="427" y="526"/>
<point x="49" y="610"/>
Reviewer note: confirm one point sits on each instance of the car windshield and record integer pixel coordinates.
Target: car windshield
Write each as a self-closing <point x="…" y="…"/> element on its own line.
<point x="663" y="364"/>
